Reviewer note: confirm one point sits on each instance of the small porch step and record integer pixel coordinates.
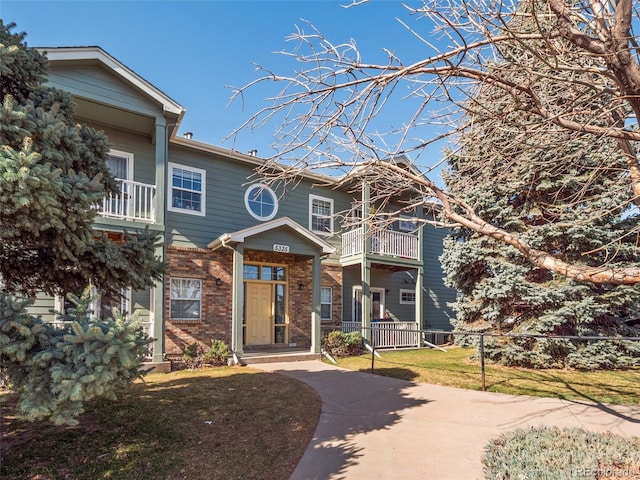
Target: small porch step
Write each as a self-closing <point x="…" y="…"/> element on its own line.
<point x="250" y="358"/>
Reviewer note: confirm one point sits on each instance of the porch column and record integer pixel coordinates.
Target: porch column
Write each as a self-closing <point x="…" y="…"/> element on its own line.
<point x="365" y="264"/>
<point x="162" y="145"/>
<point x="158" y="293"/>
<point x="315" y="310"/>
<point x="419" y="306"/>
<point x="365" y="274"/>
<point x="156" y="306"/>
<point x="237" y="300"/>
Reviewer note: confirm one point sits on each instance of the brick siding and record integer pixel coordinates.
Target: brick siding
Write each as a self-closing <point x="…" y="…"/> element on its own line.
<point x="215" y="321"/>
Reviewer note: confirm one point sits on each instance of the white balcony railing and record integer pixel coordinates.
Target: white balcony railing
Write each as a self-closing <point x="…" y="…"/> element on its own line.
<point x="135" y="201"/>
<point x="389" y="334"/>
<point x="383" y="242"/>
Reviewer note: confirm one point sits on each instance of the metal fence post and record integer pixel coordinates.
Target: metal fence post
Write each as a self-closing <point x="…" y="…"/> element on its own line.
<point x="484" y="385"/>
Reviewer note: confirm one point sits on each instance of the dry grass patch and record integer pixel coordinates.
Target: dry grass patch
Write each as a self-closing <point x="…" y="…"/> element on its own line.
<point x="222" y="423"/>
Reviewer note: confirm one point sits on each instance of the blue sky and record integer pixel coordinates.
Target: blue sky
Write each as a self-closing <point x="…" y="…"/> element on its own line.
<point x="193" y="50"/>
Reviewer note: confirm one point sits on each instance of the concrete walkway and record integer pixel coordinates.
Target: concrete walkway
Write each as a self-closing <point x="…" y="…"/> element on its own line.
<point x="374" y="427"/>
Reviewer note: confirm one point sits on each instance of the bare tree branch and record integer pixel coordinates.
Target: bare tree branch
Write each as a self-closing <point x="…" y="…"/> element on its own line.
<point x="332" y="109"/>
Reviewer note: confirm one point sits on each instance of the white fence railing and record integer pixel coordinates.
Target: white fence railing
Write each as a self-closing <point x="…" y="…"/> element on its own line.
<point x="352" y="242"/>
<point x="389" y="334"/>
<point x="135" y="201"/>
<point x="383" y="242"/>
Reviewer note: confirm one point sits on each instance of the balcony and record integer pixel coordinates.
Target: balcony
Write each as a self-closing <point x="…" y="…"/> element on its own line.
<point x="135" y="202"/>
<point x="383" y="242"/>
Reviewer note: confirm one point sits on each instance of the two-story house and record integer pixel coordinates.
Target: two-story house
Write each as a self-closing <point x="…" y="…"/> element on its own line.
<point x="260" y="267"/>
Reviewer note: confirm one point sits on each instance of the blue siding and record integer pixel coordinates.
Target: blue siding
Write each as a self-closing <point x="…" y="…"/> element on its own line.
<point x="437" y="314"/>
<point x="101" y="85"/>
<point x="226" y="182"/>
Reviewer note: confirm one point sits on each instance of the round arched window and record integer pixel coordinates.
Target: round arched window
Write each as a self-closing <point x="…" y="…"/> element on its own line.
<point x="261" y="202"/>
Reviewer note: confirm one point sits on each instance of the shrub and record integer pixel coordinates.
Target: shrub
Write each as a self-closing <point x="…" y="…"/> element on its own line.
<point x="191" y="351"/>
<point x="340" y="344"/>
<point x="551" y="453"/>
<point x="194" y="356"/>
<point x="217" y="353"/>
<point x="191" y="357"/>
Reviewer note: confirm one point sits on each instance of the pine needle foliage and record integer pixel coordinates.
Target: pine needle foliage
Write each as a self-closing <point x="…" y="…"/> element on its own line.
<point x="53" y="174"/>
<point x="563" y="192"/>
<point x="56" y="369"/>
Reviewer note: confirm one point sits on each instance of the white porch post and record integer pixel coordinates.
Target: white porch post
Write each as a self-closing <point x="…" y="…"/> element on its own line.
<point x="156" y="313"/>
<point x="237" y="299"/>
<point x="419" y="306"/>
<point x="162" y="146"/>
<point x="158" y="297"/>
<point x="315" y="310"/>
<point x="365" y="265"/>
<point x="419" y="300"/>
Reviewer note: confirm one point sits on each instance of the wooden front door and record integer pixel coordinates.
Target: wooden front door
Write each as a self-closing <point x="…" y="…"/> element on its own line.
<point x="259" y="300"/>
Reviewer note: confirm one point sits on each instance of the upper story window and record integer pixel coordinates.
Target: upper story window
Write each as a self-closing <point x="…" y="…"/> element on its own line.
<point x="320" y="215"/>
<point x="187" y="189"/>
<point x="261" y="202"/>
<point x="354" y="219"/>
<point x="120" y="164"/>
<point x="407" y="223"/>
<point x="407" y="297"/>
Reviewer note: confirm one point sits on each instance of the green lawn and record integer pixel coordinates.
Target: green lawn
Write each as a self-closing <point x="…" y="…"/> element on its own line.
<point x="220" y="423"/>
<point x="456" y="368"/>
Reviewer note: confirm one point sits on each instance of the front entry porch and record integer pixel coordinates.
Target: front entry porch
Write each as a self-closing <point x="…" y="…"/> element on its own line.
<point x="256" y="355"/>
<point x="275" y="289"/>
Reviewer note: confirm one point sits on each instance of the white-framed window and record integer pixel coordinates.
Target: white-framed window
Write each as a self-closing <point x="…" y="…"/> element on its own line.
<point x="62" y="305"/>
<point x="320" y="215"/>
<point x="187" y="192"/>
<point x="354" y="219"/>
<point x="407" y="223"/>
<point x="100" y="307"/>
<point x="407" y="296"/>
<point x="186" y="299"/>
<point x="261" y="202"/>
<point x="120" y="164"/>
<point x="105" y="306"/>
<point x="120" y="205"/>
<point x="326" y="295"/>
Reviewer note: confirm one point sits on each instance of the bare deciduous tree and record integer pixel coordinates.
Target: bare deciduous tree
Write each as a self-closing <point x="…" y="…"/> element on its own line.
<point x="330" y="110"/>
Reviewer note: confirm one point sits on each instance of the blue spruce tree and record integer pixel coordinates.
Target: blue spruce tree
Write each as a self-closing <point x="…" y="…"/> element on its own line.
<point x="52" y="174"/>
<point x="563" y="192"/>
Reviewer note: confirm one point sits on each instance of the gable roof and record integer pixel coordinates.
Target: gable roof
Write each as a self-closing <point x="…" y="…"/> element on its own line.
<point x="94" y="55"/>
<point x="366" y="169"/>
<point x="241" y="235"/>
<point x="97" y="56"/>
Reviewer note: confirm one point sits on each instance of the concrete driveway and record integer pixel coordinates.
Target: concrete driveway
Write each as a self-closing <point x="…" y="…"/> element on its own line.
<point x="373" y="427"/>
